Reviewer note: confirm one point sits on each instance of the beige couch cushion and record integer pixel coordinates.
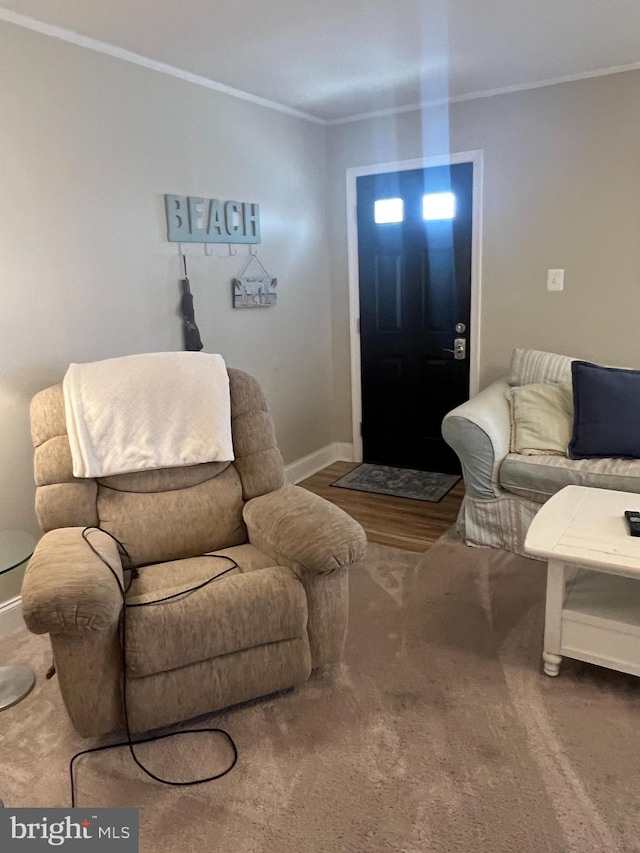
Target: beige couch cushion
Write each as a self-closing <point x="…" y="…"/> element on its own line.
<point x="258" y="460"/>
<point x="237" y="612"/>
<point x="541" y="418"/>
<point x="539" y="477"/>
<point x="530" y="365"/>
<point x="160" y="579"/>
<point x="169" y="525"/>
<point x="189" y="691"/>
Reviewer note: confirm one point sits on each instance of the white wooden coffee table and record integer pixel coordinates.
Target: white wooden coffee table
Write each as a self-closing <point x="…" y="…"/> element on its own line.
<point x="593" y="578"/>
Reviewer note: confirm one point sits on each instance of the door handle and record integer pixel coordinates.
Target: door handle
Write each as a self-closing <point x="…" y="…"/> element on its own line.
<point x="459" y="349"/>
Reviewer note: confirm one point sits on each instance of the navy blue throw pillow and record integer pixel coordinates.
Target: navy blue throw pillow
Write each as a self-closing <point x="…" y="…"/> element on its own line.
<point x="606" y="402"/>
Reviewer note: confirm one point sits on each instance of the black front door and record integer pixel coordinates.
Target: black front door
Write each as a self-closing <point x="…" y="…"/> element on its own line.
<point x="414" y="255"/>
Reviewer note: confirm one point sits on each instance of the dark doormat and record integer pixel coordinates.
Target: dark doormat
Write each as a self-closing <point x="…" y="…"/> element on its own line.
<point x="398" y="482"/>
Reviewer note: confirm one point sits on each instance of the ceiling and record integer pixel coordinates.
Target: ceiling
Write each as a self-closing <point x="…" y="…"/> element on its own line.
<point x="338" y="58"/>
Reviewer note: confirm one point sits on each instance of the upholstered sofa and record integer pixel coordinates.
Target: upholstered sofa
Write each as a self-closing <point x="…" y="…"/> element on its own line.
<point x="504" y="490"/>
<point x="260" y="629"/>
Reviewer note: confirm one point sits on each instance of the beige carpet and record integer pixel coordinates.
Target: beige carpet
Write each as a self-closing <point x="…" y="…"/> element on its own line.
<point x="438" y="733"/>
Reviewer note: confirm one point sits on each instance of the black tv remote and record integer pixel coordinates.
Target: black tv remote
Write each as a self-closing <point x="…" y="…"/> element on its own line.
<point x="633" y="521"/>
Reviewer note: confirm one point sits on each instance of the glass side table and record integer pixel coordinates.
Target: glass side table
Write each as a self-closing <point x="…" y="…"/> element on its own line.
<point x="15" y="681"/>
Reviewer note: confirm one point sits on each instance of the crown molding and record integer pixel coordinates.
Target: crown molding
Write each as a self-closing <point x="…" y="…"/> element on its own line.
<point x="73" y="37"/>
<point x="487" y="93"/>
<point x="11" y="17"/>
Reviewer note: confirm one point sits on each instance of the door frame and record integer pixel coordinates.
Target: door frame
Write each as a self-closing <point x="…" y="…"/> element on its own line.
<point x="475" y="157"/>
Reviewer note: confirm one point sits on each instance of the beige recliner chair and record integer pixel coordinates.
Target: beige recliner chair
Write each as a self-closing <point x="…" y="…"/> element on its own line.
<point x="260" y="629"/>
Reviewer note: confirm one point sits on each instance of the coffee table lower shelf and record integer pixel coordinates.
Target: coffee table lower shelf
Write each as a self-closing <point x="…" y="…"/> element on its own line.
<point x="599" y="621"/>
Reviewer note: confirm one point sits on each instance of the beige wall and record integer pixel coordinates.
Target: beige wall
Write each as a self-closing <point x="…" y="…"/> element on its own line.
<point x="561" y="189"/>
<point x="88" y="146"/>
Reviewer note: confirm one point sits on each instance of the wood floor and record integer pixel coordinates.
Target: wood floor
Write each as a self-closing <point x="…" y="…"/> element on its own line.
<point x="399" y="522"/>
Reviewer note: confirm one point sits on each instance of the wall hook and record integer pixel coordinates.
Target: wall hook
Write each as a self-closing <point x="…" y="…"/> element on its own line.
<point x="232" y="254"/>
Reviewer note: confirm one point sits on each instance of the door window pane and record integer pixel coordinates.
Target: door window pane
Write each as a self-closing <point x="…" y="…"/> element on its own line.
<point x="438" y="206"/>
<point x="387" y="210"/>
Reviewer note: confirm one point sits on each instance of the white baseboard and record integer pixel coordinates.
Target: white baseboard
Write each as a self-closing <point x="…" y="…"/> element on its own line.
<point x="344" y="451"/>
<point x="299" y="470"/>
<point x="10" y="615"/>
<point x="339" y="451"/>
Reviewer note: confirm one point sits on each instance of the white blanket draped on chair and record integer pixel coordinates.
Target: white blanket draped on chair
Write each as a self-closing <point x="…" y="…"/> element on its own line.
<point x="156" y="410"/>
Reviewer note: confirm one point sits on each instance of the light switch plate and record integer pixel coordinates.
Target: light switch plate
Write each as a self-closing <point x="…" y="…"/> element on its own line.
<point x="555" y="280"/>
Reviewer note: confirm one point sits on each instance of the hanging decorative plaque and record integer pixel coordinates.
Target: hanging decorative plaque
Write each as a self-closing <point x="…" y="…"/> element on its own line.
<point x="254" y="290"/>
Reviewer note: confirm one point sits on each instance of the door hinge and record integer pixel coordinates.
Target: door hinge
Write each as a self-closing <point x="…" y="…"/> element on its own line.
<point x="358" y="325"/>
<point x="360" y="428"/>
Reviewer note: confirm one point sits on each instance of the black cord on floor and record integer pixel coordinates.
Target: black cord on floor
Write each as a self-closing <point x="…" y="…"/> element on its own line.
<point x="130" y="742"/>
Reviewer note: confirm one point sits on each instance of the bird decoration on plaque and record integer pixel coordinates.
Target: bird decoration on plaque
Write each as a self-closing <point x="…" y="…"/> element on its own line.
<point x="254" y="287"/>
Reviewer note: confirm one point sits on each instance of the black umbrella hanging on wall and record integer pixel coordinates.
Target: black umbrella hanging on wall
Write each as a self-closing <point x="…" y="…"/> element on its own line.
<point x="192" y="339"/>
